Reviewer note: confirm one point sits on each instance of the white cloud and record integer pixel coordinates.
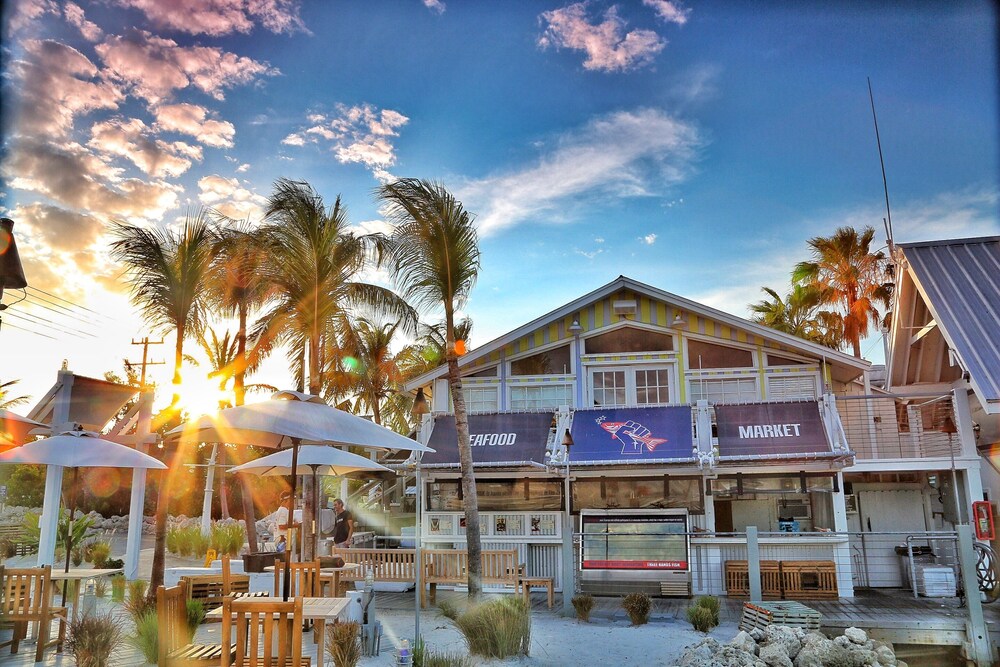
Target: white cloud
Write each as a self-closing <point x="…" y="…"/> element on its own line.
<point x="608" y="47"/>
<point x="193" y="120"/>
<point x="672" y="12"/>
<point x="648" y="239"/>
<point x="154" y="67"/>
<point x="75" y="17"/>
<point x="624" y="154"/>
<point x="436" y="5"/>
<point x="133" y="140"/>
<point x="359" y="134"/>
<point x="589" y="255"/>
<point x="220" y="17"/>
<point x="231" y="198"/>
<point x="242" y="168"/>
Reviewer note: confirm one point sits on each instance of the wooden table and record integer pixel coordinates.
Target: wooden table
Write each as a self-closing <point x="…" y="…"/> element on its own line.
<point x="80" y="574"/>
<point x="319" y="610"/>
<point x="538" y="582"/>
<point x="329" y="574"/>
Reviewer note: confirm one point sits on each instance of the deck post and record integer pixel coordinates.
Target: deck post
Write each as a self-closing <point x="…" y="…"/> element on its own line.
<point x="977" y="645"/>
<point x="753" y="564"/>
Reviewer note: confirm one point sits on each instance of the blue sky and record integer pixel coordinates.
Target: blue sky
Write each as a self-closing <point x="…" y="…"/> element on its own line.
<point x="692" y="146"/>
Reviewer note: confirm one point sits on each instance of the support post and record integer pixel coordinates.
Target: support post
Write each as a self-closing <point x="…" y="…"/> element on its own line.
<point x="48" y="523"/>
<point x="206" y="502"/>
<point x="978" y="647"/>
<point x="845" y="575"/>
<point x="753" y="564"/>
<point x="137" y="500"/>
<point x="418" y="560"/>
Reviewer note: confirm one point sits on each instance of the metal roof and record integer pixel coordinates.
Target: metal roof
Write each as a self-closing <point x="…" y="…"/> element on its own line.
<point x="960" y="282"/>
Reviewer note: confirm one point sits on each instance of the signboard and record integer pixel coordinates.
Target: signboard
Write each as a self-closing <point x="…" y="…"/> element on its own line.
<point x="627" y="541"/>
<point x="770" y="428"/>
<point x="494" y="438"/>
<point x="632" y="434"/>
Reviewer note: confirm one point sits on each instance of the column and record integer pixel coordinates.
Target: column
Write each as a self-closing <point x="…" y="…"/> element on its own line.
<point x="845" y="574"/>
<point x="137" y="501"/>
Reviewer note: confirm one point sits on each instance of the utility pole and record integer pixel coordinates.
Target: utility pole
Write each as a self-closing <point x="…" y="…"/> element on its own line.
<point x="145" y="342"/>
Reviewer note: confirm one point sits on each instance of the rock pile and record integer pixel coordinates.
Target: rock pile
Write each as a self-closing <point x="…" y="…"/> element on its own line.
<point x="782" y="646"/>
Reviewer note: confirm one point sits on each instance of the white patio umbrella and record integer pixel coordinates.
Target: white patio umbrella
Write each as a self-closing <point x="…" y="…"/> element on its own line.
<point x="78" y="449"/>
<point x="15" y="429"/>
<point x="313" y="459"/>
<point x="289" y="419"/>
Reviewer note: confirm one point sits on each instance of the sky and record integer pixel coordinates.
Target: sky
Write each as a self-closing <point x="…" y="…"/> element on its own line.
<point x="693" y="146"/>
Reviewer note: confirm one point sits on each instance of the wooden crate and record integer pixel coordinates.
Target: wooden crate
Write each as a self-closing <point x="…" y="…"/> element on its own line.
<point x="793" y="614"/>
<point x="805" y="579"/>
<point x="738" y="579"/>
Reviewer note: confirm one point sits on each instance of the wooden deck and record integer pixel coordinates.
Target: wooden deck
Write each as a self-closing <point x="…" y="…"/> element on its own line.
<point x="889" y="614"/>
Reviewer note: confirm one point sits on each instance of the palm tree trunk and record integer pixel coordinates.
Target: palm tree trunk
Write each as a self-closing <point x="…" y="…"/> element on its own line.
<point x="166" y="479"/>
<point x="239" y="393"/>
<point x="470" y="499"/>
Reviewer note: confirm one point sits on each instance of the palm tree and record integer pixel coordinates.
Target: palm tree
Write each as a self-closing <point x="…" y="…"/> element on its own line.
<point x="6" y="403"/>
<point x="313" y="264"/>
<point x="372" y="365"/>
<point x="167" y="271"/>
<point x="798" y="314"/>
<point x="434" y="257"/>
<point x="850" y="276"/>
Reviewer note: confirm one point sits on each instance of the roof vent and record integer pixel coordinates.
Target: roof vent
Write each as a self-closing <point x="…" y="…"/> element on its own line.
<point x="624" y="307"/>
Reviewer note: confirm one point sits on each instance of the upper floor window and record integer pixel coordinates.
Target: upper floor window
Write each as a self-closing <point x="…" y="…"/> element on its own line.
<point x="792" y="388"/>
<point x="630" y="340"/>
<point x="490" y="372"/>
<point x="724" y="390"/>
<point x="620" y="387"/>
<point x="775" y="360"/>
<point x="708" y="355"/>
<point x="481" y="399"/>
<point x="541" y="397"/>
<point x="550" y="362"/>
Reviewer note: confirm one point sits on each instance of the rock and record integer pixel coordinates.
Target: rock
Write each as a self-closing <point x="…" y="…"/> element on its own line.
<point x="775" y="655"/>
<point x="800" y="633"/>
<point x="785" y="636"/>
<point x="701" y="654"/>
<point x="813" y="636"/>
<point x="842" y="641"/>
<point x="757" y="634"/>
<point x="856" y="635"/>
<point x="885" y="655"/>
<point x="745" y="642"/>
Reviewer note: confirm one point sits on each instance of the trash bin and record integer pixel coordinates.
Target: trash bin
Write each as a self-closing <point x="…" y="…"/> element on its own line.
<point x="922" y="555"/>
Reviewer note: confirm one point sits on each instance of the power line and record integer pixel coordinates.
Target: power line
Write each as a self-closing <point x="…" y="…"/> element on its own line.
<point x="71" y="312"/>
<point x="37" y="333"/>
<point x="44" y="322"/>
<point x="82" y="318"/>
<point x="69" y="302"/>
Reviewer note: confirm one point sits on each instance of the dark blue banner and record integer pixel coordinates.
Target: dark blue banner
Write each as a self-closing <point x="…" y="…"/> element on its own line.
<point x="632" y="434"/>
<point x="494" y="438"/>
<point x="761" y="429"/>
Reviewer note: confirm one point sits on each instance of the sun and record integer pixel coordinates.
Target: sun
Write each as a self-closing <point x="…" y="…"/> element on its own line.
<point x="200" y="395"/>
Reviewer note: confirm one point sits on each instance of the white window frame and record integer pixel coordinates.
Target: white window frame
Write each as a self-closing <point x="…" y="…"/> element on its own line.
<point x="630" y="384"/>
<point x="814" y="377"/>
<point x="485" y="388"/>
<point x="539" y="405"/>
<point x="695" y="381"/>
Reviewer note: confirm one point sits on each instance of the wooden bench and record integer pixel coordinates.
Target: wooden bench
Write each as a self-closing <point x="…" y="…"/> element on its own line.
<point x="526" y="584"/>
<point x="174" y="647"/>
<point x="13" y="534"/>
<point x="451" y="566"/>
<point x="738" y="579"/>
<point x="211" y="588"/>
<point x="395" y="565"/>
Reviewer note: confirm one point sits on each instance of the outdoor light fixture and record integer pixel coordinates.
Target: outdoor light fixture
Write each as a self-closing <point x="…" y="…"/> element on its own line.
<point x="679" y="320"/>
<point x="567" y="440"/>
<point x="420" y="404"/>
<point x="575" y="328"/>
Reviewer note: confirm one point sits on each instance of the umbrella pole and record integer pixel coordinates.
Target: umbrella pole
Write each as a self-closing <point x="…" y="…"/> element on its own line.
<point x="315" y="517"/>
<point x="291" y="519"/>
<point x="69" y="529"/>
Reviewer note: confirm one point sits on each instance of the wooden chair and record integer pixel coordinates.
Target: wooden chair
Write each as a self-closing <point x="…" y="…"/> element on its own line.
<point x="27" y="598"/>
<point x="173" y="641"/>
<point x="237" y="585"/>
<point x="305" y="579"/>
<point x="268" y="633"/>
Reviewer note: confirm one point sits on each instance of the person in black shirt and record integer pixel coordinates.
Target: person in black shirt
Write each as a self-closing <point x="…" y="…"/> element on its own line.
<point x="343" y="526"/>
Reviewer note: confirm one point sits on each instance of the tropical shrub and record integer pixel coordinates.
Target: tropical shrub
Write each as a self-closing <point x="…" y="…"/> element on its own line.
<point x="498" y="628"/>
<point x="100" y="551"/>
<point x="82" y="528"/>
<point x="146" y="637"/>
<point x="228" y="538"/>
<point x="701" y="618"/>
<point x="637" y="606"/>
<point x="343" y="644"/>
<point x="93" y="638"/>
<point x="195" y="615"/>
<point x="76" y="557"/>
<point x="118" y="588"/>
<point x="449" y="610"/>
<point x="136" y="601"/>
<point x="712" y="603"/>
<point x="583" y="604"/>
<point x="101" y="587"/>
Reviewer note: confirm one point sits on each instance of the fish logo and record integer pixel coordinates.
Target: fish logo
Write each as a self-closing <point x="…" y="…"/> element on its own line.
<point x="633" y="436"/>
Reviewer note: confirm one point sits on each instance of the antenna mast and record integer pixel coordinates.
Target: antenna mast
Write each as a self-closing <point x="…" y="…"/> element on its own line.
<point x="885" y="184"/>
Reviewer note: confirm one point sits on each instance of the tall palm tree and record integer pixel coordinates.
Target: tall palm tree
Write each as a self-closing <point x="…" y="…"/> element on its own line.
<point x="8" y="402"/>
<point x="314" y="263"/>
<point x="373" y="366"/>
<point x="851" y="276"/>
<point x="434" y="258"/>
<point x="167" y="271"/>
<point x="799" y="314"/>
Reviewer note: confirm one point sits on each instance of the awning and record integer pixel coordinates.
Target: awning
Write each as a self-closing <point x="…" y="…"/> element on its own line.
<point x="511" y="439"/>
<point x="632" y="435"/>
<point x="771" y="430"/>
